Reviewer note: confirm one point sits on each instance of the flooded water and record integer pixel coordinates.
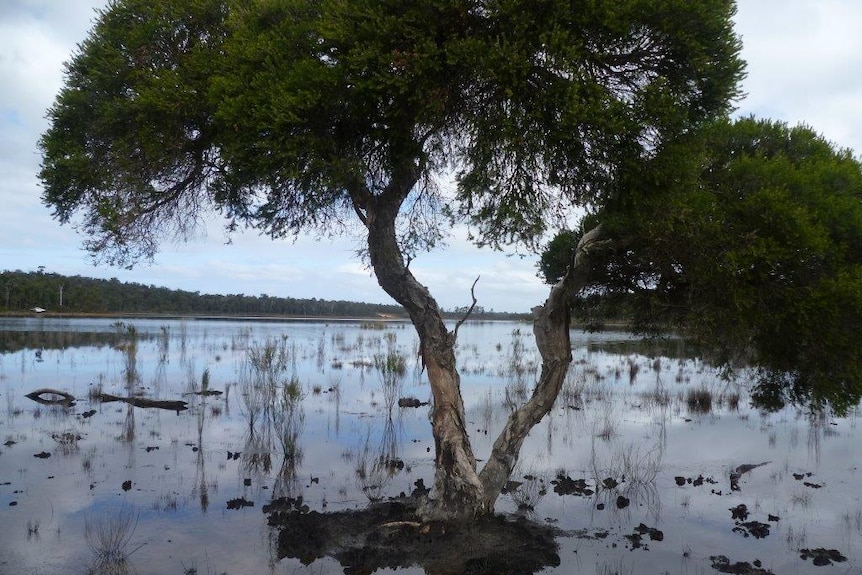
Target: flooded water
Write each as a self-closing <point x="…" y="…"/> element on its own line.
<point x="679" y="473"/>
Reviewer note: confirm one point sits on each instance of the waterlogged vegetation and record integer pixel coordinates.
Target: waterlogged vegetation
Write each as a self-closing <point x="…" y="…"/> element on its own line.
<point x="190" y="443"/>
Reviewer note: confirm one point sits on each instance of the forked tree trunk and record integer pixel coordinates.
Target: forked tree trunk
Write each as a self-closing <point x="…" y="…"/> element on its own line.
<point x="460" y="492"/>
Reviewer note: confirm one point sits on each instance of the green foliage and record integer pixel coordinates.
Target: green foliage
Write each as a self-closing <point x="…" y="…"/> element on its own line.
<point x="746" y="237"/>
<point x="132" y="143"/>
<point x="557" y="255"/>
<point x="392" y="363"/>
<point x="291" y="115"/>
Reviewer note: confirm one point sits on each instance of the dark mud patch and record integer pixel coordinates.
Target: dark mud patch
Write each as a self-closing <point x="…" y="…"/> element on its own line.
<point x="564" y="485"/>
<point x="752" y="528"/>
<point x="640" y="534"/>
<point x="390" y="535"/>
<point x="822" y="557"/>
<point x="723" y="565"/>
<point x="239" y="503"/>
<point x="682" y="481"/>
<point x="739" y="512"/>
<point x="411" y="402"/>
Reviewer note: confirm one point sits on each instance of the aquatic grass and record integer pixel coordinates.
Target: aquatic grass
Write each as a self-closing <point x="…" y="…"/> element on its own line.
<point x="129" y="348"/>
<point x="659" y="396"/>
<point x="109" y="537"/>
<point x="517" y="371"/>
<point x="731" y="400"/>
<point x="371" y="477"/>
<point x="32" y="529"/>
<point x="529" y="493"/>
<point x="796" y="538"/>
<point x="617" y="567"/>
<point x="852" y="520"/>
<point x="205" y="380"/>
<point x="288" y="422"/>
<point x="208" y="569"/>
<point x="801" y="498"/>
<point x="699" y="400"/>
<point x="95" y="390"/>
<point x="392" y="362"/>
<point x="633" y="471"/>
<point x="605" y="425"/>
<point x="391" y="366"/>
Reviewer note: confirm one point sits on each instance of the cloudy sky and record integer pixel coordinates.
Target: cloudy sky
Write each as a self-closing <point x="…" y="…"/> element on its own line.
<point x="803" y="62"/>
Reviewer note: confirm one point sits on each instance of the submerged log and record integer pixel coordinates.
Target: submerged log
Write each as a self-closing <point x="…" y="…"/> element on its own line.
<point x="205" y="392"/>
<point x="65" y="399"/>
<point x="172" y="405"/>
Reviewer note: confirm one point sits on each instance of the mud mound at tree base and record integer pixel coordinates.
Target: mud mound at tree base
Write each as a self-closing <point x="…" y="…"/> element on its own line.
<point x="390" y="535"/>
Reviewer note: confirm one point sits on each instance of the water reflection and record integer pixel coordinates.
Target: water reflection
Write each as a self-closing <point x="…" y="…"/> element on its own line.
<point x="201" y="487"/>
<point x="314" y="416"/>
<point x="377" y="463"/>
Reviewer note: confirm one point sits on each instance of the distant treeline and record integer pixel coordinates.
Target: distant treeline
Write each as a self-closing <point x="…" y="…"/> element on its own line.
<point x="22" y="291"/>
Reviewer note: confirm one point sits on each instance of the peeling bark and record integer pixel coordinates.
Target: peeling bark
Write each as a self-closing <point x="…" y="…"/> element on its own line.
<point x="551" y="330"/>
<point x="458" y="492"/>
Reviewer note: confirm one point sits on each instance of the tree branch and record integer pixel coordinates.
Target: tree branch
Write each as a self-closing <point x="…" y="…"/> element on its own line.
<point x="469" y="311"/>
<point x="551" y="330"/>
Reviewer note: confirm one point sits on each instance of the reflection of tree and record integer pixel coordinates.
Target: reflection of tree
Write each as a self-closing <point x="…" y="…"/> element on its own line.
<point x="15" y="341"/>
<point x="128" y="434"/>
<point x="201" y="489"/>
<point x="164" y="346"/>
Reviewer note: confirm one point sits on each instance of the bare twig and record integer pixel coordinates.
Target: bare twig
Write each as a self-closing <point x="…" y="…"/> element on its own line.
<point x="469" y="311"/>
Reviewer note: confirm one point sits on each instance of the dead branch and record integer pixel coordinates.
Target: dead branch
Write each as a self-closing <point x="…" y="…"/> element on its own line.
<point x="65" y="399"/>
<point x="469" y="311"/>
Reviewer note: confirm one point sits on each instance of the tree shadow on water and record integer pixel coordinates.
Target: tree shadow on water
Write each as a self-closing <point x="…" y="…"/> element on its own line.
<point x="390" y="536"/>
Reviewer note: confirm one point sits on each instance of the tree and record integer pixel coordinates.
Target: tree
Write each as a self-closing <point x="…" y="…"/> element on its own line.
<point x="747" y="240"/>
<point x="299" y="116"/>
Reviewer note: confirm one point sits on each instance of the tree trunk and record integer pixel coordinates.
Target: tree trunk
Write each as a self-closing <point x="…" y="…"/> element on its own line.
<point x="458" y="492"/>
<point x="551" y="330"/>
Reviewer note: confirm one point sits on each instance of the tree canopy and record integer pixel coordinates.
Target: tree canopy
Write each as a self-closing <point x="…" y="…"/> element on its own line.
<point x="289" y="114"/>
<point x="745" y="237"/>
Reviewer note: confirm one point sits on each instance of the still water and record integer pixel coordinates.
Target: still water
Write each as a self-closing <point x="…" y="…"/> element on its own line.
<point x="311" y="409"/>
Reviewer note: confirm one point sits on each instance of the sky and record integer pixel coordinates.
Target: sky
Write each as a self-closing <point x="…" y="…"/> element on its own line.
<point x="803" y="61"/>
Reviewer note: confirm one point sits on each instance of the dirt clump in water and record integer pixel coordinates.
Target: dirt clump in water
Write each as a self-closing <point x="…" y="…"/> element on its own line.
<point x="391" y="535"/>
<point x="723" y="565"/>
<point x="822" y="557"/>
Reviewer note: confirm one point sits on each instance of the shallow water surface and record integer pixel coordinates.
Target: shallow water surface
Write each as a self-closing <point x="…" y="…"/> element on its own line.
<point x="650" y="462"/>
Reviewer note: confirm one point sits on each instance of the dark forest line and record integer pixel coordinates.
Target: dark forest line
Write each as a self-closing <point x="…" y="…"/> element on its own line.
<point x="21" y="292"/>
